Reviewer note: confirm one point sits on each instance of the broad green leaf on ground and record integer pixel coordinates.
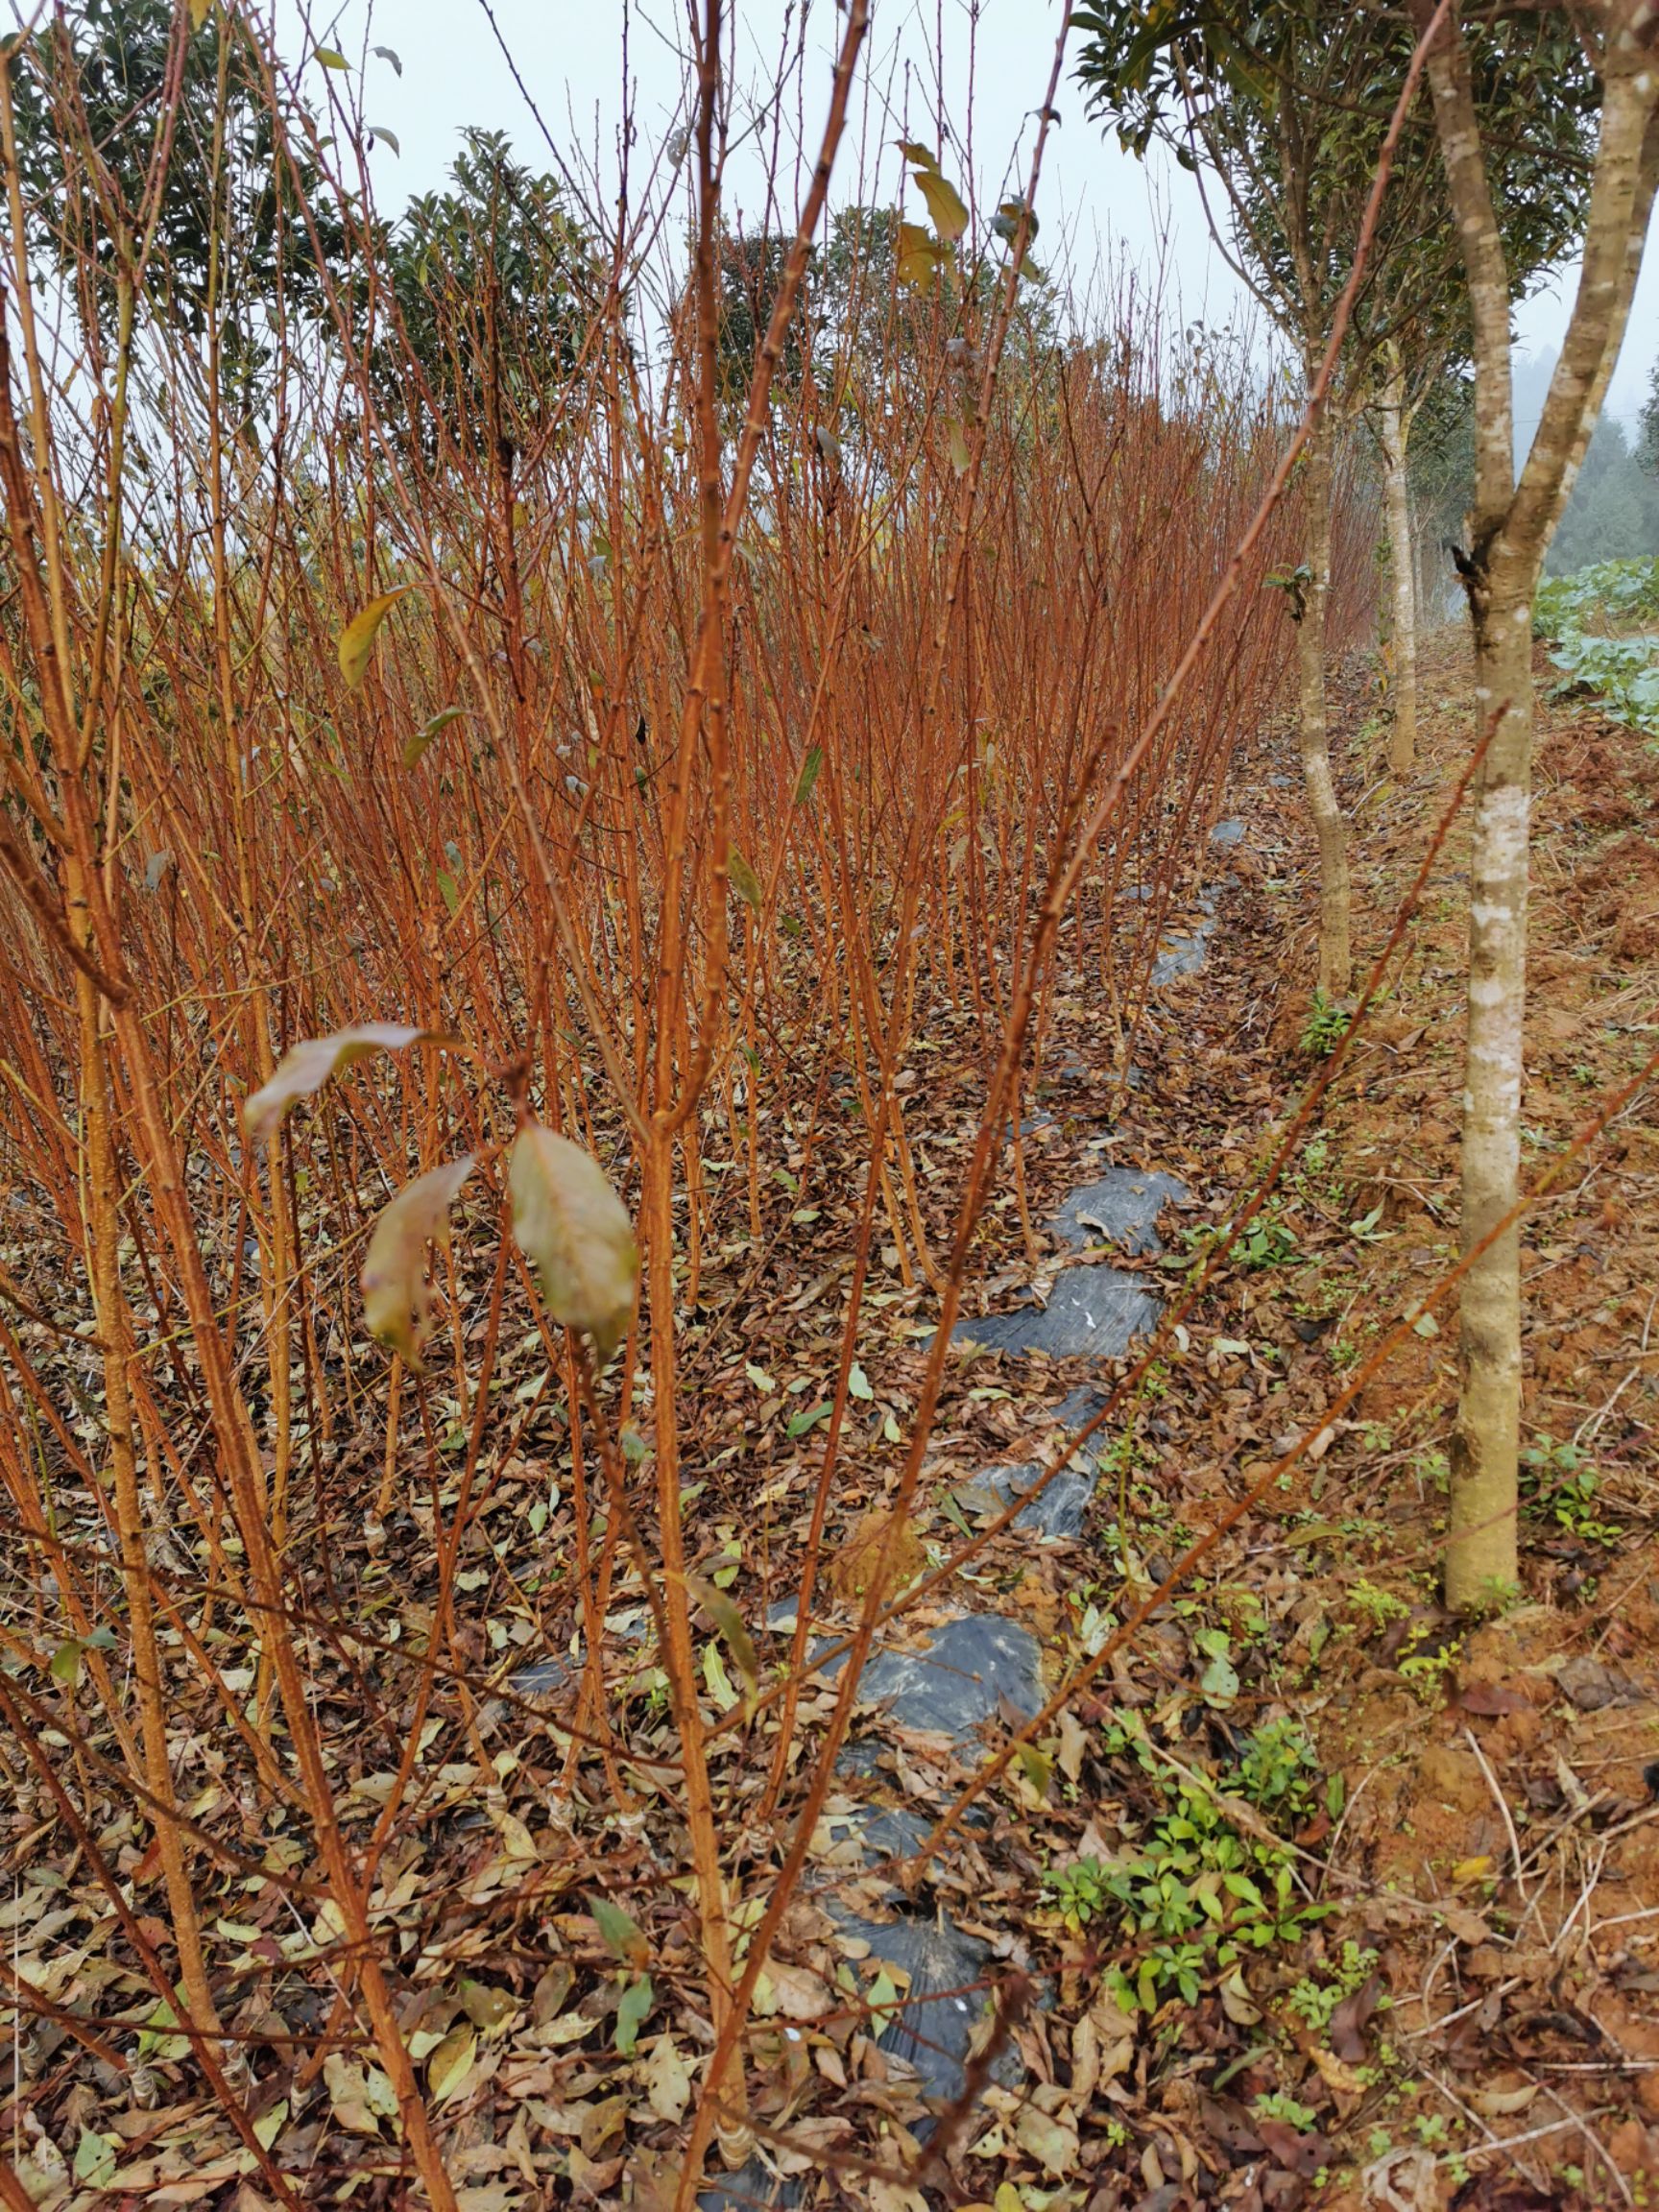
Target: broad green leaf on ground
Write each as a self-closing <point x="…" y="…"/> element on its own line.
<point x="357" y="638"/>
<point x="1048" y="2137"/>
<point x="716" y="1678"/>
<point x="269" y="2125"/>
<point x="884" y="2004"/>
<point x="619" y="1932"/>
<point x="95" y="2159"/>
<point x="397" y="1297"/>
<point x="632" y="2013"/>
<point x="575" y="1229"/>
<point x="489" y="2009"/>
<point x="309" y="1064"/>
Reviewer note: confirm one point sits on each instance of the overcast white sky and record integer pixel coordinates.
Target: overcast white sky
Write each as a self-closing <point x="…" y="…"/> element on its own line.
<point x="1096" y="204"/>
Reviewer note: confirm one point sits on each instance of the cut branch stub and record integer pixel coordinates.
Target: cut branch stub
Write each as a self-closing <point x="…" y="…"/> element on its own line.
<point x="309" y="1064"/>
<point x="397" y="1297"/>
<point x="575" y="1229"/>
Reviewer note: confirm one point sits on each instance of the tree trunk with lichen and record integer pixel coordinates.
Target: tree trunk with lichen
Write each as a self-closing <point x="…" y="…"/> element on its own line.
<point x="1512" y="524"/>
<point x="1481" y="1558"/>
<point x="1391" y="436"/>
<point x="1308" y="605"/>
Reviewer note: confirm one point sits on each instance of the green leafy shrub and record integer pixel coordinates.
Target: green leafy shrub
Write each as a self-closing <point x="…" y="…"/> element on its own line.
<point x="1279" y="1769"/>
<point x="1602" y="625"/>
<point x="1326" y="1026"/>
<point x="1193" y="1901"/>
<point x="1559" y="1481"/>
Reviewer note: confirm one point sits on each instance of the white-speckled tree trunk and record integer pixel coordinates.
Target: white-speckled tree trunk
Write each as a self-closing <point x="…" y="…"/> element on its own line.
<point x="1392" y="430"/>
<point x="1512" y="527"/>
<point x="1336" y="962"/>
<point x="1481" y="1555"/>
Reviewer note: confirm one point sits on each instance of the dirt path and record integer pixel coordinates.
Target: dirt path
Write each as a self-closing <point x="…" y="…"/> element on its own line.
<point x="1449" y="1994"/>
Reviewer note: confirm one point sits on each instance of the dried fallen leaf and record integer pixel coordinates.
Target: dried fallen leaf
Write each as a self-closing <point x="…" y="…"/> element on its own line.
<point x="1490" y="1698"/>
<point x="667" y="2080"/>
<point x="1348" y="2021"/>
<point x="795" y="1992"/>
<point x="449" y="2065"/>
<point x="1074" y="1742"/>
<point x="347" y="2088"/>
<point x="1335" y="2074"/>
<point x="1498" y="2103"/>
<point x="602" y="2124"/>
<point x="1048" y="2137"/>
<point x="1468" y="1927"/>
<point x="1237" y="2000"/>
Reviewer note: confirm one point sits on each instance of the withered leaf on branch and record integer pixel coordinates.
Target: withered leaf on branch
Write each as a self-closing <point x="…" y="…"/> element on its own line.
<point x="396" y="1296"/>
<point x="575" y="1229"/>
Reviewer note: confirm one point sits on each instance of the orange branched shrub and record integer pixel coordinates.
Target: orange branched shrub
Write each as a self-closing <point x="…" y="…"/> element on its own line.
<point x="689" y="846"/>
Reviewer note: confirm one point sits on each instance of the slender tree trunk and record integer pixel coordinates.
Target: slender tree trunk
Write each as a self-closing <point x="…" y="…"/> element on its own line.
<point x="1392" y="429"/>
<point x="1336" y="964"/>
<point x="1482" y="1559"/>
<point x="1512" y="527"/>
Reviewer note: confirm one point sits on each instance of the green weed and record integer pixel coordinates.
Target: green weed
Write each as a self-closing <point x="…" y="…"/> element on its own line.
<point x="1559" y="1481"/>
<point x="1326" y="1026"/>
<point x="1315" y="1999"/>
<point x="1193" y="1901"/>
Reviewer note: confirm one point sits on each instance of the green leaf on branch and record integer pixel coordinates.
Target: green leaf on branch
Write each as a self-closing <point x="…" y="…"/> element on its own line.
<point x="808" y="775"/>
<point x="744" y="881"/>
<point x="357" y="639"/>
<point x="415" y="747"/>
<point x="945" y="205"/>
<point x="921" y="255"/>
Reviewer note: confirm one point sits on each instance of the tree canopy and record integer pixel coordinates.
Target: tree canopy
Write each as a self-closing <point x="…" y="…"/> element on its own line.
<point x="494" y="288"/>
<point x="246" y="227"/>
